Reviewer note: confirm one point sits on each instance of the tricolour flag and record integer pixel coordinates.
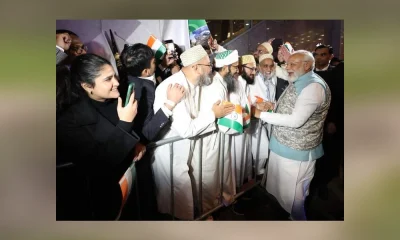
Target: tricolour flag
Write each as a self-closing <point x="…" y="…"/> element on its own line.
<point x="126" y="183"/>
<point x="246" y="116"/>
<point x="233" y="121"/>
<point x="157" y="46"/>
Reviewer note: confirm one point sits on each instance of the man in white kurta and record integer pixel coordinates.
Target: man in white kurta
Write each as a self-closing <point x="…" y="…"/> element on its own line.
<point x="223" y="83"/>
<point x="296" y="134"/>
<point x="187" y="121"/>
<point x="241" y="143"/>
<point x="266" y="48"/>
<point x="260" y="90"/>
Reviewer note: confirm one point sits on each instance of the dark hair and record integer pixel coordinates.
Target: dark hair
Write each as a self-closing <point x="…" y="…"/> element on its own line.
<point x="59" y="31"/>
<point x="330" y="48"/>
<point x="335" y="59"/>
<point x="136" y="58"/>
<point x="84" y="69"/>
<point x="179" y="51"/>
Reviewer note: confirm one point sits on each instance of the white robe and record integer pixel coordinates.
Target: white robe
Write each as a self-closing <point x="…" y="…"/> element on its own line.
<point x="241" y="143"/>
<point x="211" y="150"/>
<point x="259" y="89"/>
<point x="186" y="122"/>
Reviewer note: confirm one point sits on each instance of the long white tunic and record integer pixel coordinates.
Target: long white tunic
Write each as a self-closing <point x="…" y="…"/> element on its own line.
<point x="211" y="152"/>
<point x="187" y="122"/>
<point x="259" y="89"/>
<point x="241" y="143"/>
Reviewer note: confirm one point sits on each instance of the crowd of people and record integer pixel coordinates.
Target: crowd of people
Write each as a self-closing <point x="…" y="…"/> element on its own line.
<point x="290" y="129"/>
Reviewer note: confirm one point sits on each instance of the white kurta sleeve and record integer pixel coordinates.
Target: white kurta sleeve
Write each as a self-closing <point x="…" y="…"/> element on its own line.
<point x="187" y="127"/>
<point x="308" y="101"/>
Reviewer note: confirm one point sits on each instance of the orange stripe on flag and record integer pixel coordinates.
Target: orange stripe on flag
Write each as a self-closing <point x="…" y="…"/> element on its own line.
<point x="151" y="41"/>
<point x="238" y="109"/>
<point x="259" y="99"/>
<point x="124" y="188"/>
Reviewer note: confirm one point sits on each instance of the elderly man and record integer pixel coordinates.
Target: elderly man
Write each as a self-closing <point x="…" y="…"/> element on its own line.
<point x="266" y="48"/>
<point x="274" y="86"/>
<point x="296" y="133"/>
<point x="188" y="120"/>
<point x="263" y="48"/>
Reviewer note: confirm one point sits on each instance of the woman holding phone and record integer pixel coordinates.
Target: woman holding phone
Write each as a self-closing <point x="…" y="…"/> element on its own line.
<point x="94" y="133"/>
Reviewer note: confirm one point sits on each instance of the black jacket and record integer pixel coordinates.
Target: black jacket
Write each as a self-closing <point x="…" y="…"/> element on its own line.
<point x="101" y="150"/>
<point x="281" y="85"/>
<point x="147" y="123"/>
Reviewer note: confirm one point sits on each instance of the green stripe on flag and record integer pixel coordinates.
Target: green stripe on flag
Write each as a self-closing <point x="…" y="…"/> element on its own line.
<point x="230" y="124"/>
<point x="196" y="24"/>
<point x="160" y="52"/>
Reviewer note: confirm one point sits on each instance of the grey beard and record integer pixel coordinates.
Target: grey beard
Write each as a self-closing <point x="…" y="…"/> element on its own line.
<point x="204" y="80"/>
<point x="230" y="82"/>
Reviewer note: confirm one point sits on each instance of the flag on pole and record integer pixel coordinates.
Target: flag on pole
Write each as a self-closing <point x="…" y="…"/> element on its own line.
<point x="233" y="121"/>
<point x="198" y="31"/>
<point x="157" y="46"/>
<point x="126" y="183"/>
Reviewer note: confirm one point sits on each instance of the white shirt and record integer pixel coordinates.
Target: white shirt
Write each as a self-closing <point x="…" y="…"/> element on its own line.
<point x="60" y="48"/>
<point x="310" y="98"/>
<point x="166" y="111"/>
<point x="324" y="69"/>
<point x="186" y="122"/>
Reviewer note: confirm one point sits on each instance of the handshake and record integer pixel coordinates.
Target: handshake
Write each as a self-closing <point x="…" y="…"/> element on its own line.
<point x="262" y="107"/>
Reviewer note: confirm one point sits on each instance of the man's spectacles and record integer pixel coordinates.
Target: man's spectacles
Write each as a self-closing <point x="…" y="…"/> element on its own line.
<point x="208" y="65"/>
<point x="252" y="69"/>
<point x="79" y="49"/>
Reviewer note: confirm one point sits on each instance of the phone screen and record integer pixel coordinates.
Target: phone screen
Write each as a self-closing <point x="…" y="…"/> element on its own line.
<point x="131" y="88"/>
<point x="170" y="48"/>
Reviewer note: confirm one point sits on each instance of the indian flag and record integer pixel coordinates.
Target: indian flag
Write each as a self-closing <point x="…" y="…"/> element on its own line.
<point x="233" y="121"/>
<point x="157" y="46"/>
<point x="246" y="116"/>
<point x="126" y="183"/>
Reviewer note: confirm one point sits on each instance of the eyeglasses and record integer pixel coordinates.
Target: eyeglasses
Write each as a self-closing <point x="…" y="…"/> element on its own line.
<point x="79" y="49"/>
<point x="208" y="65"/>
<point x="252" y="69"/>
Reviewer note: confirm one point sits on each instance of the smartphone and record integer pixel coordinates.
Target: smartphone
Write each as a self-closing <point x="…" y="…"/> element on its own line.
<point x="131" y="88"/>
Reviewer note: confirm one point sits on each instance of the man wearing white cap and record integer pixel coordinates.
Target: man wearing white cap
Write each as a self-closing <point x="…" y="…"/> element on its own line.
<point x="223" y="84"/>
<point x="266" y="48"/>
<point x="275" y="85"/>
<point x="296" y="134"/>
<point x="263" y="48"/>
<point x="188" y="120"/>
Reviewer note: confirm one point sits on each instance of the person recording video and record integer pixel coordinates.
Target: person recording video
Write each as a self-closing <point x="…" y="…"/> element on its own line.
<point x="170" y="63"/>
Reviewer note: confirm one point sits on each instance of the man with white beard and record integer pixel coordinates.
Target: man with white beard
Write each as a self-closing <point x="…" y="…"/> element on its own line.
<point x="222" y="85"/>
<point x="264" y="89"/>
<point x="297" y="133"/>
<point x="266" y="48"/>
<point x="188" y="120"/>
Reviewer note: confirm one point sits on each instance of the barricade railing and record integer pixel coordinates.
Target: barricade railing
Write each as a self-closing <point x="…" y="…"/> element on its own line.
<point x="221" y="139"/>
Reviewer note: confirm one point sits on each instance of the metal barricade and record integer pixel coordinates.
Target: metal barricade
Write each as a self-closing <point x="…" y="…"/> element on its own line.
<point x="221" y="139"/>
